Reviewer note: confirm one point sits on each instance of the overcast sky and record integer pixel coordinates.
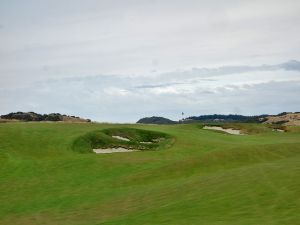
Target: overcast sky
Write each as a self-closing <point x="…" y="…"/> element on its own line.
<point x="120" y="60"/>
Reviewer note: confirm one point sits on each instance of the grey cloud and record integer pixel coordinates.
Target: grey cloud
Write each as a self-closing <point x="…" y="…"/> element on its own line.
<point x="133" y="37"/>
<point x="145" y="86"/>
<point x="144" y="52"/>
<point x="198" y="75"/>
<point x="269" y="97"/>
<point x="292" y="65"/>
<point x="120" y="98"/>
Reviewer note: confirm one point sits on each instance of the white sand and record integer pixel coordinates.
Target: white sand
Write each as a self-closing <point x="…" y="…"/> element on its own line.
<point x="121" y="138"/>
<point x="112" y="150"/>
<point x="158" y="140"/>
<point x="278" y="130"/>
<point x="146" y="142"/>
<point x="228" y="130"/>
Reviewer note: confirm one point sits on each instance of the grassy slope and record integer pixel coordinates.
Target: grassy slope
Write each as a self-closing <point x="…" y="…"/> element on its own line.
<point x="205" y="178"/>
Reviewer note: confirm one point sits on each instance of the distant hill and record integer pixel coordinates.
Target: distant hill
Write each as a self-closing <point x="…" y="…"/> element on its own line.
<point x="226" y="118"/>
<point x="285" y="118"/>
<point x="156" y="120"/>
<point x="32" y="116"/>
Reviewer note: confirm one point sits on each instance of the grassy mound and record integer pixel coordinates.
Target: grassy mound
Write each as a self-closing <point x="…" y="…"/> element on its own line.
<point x="138" y="139"/>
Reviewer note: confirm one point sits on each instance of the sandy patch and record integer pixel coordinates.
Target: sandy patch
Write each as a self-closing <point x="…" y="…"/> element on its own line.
<point x="226" y="130"/>
<point x="121" y="138"/>
<point x="158" y="140"/>
<point x="146" y="142"/>
<point x="289" y="119"/>
<point x="278" y="130"/>
<point x="113" y="150"/>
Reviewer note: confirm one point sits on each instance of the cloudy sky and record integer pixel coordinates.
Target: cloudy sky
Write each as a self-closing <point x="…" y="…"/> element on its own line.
<point x="120" y="60"/>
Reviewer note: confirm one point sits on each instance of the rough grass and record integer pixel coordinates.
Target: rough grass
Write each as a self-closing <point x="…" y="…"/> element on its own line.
<point x="246" y="128"/>
<point x="205" y="177"/>
<point x="103" y="139"/>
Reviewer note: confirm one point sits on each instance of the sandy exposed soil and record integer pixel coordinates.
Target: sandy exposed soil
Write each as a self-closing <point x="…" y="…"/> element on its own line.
<point x="121" y="138"/>
<point x="278" y="130"/>
<point x="113" y="150"/>
<point x="289" y="119"/>
<point x="74" y="119"/>
<point x="228" y="130"/>
<point x="7" y="120"/>
<point x="146" y="142"/>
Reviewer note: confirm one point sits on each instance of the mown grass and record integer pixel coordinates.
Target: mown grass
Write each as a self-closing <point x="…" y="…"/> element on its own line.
<point x="205" y="177"/>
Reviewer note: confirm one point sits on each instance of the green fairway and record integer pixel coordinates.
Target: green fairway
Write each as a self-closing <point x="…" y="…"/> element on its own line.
<point x="199" y="177"/>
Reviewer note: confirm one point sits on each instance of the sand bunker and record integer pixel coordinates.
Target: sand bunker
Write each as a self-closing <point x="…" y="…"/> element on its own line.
<point x="278" y="130"/>
<point x="227" y="130"/>
<point x="113" y="150"/>
<point x="121" y="138"/>
<point x="146" y="142"/>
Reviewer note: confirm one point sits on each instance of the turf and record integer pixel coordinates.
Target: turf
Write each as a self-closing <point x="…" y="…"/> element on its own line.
<point x="204" y="177"/>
